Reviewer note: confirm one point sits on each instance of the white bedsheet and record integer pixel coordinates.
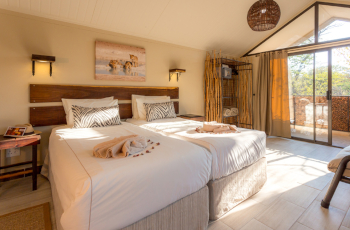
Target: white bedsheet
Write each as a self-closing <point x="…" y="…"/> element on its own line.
<point x="231" y="152"/>
<point x="100" y="193"/>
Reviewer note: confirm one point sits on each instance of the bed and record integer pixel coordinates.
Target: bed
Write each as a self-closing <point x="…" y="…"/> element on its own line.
<point x="164" y="189"/>
<point x="238" y="166"/>
<point x="95" y="193"/>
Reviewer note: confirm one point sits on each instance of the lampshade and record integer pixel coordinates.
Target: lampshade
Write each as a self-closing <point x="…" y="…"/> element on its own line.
<point x="264" y="15"/>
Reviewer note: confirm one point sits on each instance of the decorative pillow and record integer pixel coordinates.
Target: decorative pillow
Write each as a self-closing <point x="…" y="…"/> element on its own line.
<point x="91" y="103"/>
<point x="157" y="111"/>
<point x="136" y="107"/>
<point x="85" y="117"/>
<point x="141" y="109"/>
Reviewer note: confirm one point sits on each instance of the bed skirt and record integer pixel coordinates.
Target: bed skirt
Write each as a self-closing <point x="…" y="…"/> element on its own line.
<point x="188" y="213"/>
<point x="227" y="192"/>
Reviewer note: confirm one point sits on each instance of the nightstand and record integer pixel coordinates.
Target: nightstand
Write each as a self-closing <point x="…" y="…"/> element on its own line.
<point x="17" y="142"/>
<point x="192" y="117"/>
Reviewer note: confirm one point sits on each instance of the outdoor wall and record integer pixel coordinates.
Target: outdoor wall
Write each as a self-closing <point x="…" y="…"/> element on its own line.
<point x="303" y="112"/>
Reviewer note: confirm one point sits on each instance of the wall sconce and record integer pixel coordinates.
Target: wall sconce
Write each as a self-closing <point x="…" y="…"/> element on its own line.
<point x="177" y="71"/>
<point x="42" y="58"/>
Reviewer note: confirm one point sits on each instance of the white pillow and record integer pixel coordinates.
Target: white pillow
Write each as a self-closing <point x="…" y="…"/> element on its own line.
<point x="135" y="114"/>
<point x="92" y="103"/>
<point x="134" y="108"/>
<point x="141" y="109"/>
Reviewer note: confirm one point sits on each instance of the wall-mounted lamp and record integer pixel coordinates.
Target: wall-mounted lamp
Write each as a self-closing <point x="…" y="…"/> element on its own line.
<point x="177" y="71"/>
<point x="42" y="58"/>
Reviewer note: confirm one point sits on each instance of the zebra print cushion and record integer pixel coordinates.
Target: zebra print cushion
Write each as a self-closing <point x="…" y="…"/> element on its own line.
<point x="157" y="111"/>
<point x="85" y="117"/>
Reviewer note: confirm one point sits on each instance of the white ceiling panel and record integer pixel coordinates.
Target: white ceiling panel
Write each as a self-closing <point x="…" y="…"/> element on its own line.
<point x="137" y="17"/>
<point x="64" y="8"/>
<point x="55" y="7"/>
<point x="73" y="9"/>
<point x="35" y="5"/>
<point x="45" y="6"/>
<point x="111" y="14"/>
<point x="82" y="9"/>
<point x="24" y="4"/>
<point x="89" y="11"/>
<point x="200" y="24"/>
<point x="103" y="12"/>
<point x="13" y="3"/>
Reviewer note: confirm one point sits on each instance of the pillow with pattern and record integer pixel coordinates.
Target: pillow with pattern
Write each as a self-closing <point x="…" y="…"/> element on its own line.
<point x="85" y="117"/>
<point x="155" y="111"/>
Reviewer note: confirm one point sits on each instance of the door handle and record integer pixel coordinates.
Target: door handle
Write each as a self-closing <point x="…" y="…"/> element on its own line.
<point x="329" y="95"/>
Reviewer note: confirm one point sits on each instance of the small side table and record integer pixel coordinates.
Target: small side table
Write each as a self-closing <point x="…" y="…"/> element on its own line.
<point x="17" y="142"/>
<point x="192" y="117"/>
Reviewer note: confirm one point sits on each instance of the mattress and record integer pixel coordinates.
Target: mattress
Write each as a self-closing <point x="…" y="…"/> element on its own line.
<point x="99" y="193"/>
<point x="231" y="152"/>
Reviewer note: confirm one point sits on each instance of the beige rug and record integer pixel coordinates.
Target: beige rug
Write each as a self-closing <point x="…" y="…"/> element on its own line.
<point x="37" y="217"/>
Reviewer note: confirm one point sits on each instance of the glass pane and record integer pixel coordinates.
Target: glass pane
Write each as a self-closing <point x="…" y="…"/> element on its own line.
<point x="321" y="88"/>
<point x="299" y="32"/>
<point x="300" y="76"/>
<point x="334" y="23"/>
<point x="340" y="98"/>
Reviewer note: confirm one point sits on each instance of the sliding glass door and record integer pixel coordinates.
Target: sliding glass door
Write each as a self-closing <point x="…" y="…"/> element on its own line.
<point x="340" y="96"/>
<point x="319" y="88"/>
<point x="301" y="85"/>
<point x="321" y="104"/>
<point x="309" y="85"/>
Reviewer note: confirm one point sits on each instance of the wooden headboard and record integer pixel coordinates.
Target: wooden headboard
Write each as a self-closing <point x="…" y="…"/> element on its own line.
<point x="55" y="115"/>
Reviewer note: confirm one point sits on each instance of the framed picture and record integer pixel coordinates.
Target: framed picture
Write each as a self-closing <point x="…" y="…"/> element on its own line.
<point x="119" y="62"/>
<point x="15" y="131"/>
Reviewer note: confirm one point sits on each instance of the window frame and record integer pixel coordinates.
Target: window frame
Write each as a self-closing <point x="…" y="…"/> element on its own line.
<point x="316" y="28"/>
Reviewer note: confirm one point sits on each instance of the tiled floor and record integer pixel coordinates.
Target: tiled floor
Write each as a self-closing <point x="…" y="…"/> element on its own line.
<point x="17" y="194"/>
<point x="297" y="181"/>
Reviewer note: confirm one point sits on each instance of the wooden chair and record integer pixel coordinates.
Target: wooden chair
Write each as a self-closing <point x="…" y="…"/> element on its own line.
<point x="341" y="166"/>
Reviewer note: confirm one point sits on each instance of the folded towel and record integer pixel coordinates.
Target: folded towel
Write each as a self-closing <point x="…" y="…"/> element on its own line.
<point x="221" y="129"/>
<point x="210" y="126"/>
<point x="234" y="111"/>
<point x="227" y="112"/>
<point x="120" y="147"/>
<point x="214" y="127"/>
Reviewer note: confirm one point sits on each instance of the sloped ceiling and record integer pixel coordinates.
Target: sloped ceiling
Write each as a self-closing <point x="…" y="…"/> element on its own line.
<point x="199" y="24"/>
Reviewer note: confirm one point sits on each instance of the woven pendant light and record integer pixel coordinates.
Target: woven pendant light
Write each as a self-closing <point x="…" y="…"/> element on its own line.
<point x="264" y="15"/>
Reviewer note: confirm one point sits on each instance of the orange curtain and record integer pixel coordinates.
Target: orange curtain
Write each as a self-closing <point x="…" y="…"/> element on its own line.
<point x="273" y="95"/>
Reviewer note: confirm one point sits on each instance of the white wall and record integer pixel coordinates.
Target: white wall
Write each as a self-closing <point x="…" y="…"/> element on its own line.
<point x="22" y="35"/>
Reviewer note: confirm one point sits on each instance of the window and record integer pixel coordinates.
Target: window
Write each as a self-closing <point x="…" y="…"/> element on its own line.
<point x="333" y="24"/>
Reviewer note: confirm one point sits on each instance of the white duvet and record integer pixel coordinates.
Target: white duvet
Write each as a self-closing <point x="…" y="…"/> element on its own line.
<point x="231" y="152"/>
<point x="104" y="194"/>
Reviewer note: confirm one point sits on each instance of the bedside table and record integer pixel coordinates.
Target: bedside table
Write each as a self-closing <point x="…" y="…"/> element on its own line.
<point x="192" y="117"/>
<point x="17" y="142"/>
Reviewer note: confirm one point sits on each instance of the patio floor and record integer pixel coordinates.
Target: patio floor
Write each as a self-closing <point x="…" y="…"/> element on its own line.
<point x="340" y="139"/>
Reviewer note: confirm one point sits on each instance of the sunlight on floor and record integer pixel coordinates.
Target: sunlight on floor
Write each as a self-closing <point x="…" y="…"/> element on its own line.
<point x="339" y="138"/>
<point x="298" y="179"/>
<point x="297" y="182"/>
